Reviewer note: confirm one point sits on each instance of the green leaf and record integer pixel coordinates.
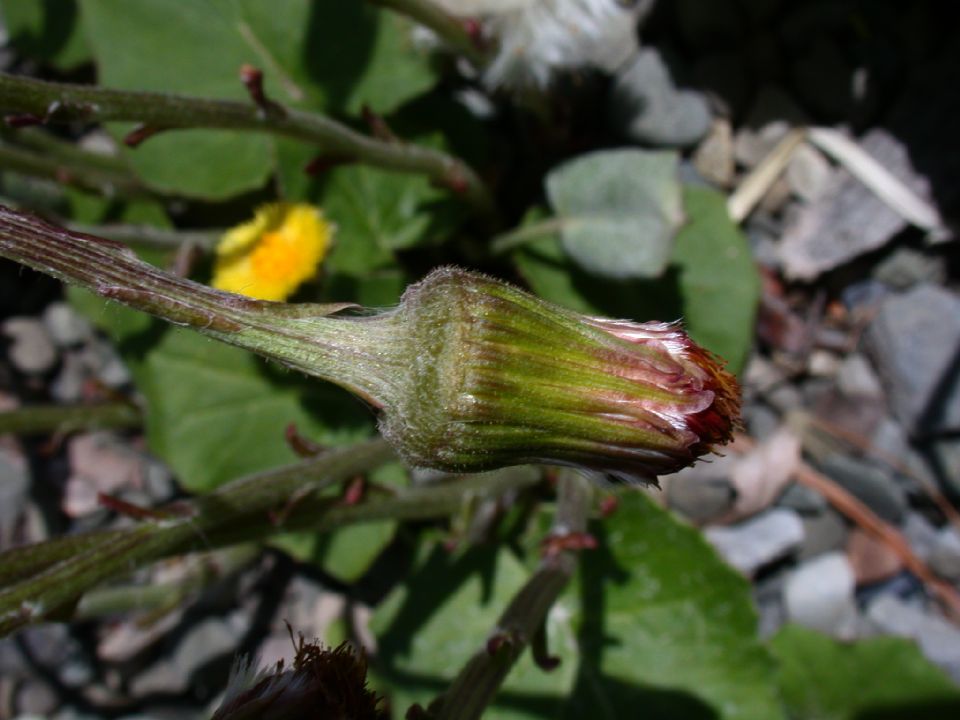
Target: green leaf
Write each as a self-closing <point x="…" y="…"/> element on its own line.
<point x="653" y="620"/>
<point x="618" y="210"/>
<point x="445" y="611"/>
<point x="215" y="412"/>
<point x="376" y="213"/>
<point x="187" y="47"/>
<point x="332" y="57"/>
<point x="666" y="626"/>
<point x="46" y="31"/>
<point x="711" y="282"/>
<point x="881" y="677"/>
<point x="719" y="283"/>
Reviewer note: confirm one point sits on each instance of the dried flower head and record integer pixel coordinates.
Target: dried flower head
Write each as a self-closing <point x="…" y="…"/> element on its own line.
<point x="323" y="683"/>
<point x="538" y="38"/>
<point x="270" y="256"/>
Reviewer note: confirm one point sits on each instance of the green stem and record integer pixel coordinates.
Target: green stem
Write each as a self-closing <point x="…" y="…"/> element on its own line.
<point x="206" y="570"/>
<point x="478" y="682"/>
<point x="151" y="236"/>
<point x="110" y="182"/>
<point x="246" y="510"/>
<point x="362" y="354"/>
<point x="527" y="234"/>
<point x="72" y="153"/>
<point x="431" y="15"/>
<point x="60" y="102"/>
<point x="70" y="418"/>
<point x="239" y="508"/>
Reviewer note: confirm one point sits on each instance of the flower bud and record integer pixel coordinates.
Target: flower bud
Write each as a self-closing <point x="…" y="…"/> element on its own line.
<point x="497" y="377"/>
<point x="469" y="373"/>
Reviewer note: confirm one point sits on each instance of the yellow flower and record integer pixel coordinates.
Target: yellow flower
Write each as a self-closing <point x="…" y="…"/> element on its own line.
<point x="270" y="256"/>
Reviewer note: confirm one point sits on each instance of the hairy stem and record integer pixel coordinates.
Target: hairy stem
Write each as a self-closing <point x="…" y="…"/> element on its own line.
<point x="449" y="28"/>
<point x="110" y="182"/>
<point x="205" y="571"/>
<point x="358" y="353"/>
<point x="239" y="508"/>
<point x="54" y="574"/>
<point x="60" y="102"/>
<point x="70" y="418"/>
<point x="151" y="236"/>
<point x="478" y="682"/>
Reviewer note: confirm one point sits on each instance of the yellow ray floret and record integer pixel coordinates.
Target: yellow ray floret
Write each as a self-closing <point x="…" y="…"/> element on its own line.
<point x="270" y="256"/>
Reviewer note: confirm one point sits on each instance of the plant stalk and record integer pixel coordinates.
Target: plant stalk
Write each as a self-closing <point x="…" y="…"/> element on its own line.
<point x="239" y="508"/>
<point x="359" y="353"/>
<point x="478" y="682"/>
<point x="109" y="182"/>
<point x="61" y="102"/>
<point x="70" y="418"/>
<point x="447" y="27"/>
<point x="54" y="574"/>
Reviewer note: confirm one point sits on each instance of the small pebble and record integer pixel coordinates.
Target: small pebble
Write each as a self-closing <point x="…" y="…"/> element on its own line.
<point x="819" y="595"/>
<point x="764" y="538"/>
<point x="36" y="698"/>
<point x="31" y="350"/>
<point x="65" y="326"/>
<point x="856" y="378"/>
<point x="945" y="556"/>
<point x="824" y="532"/>
<point x="872" y="560"/>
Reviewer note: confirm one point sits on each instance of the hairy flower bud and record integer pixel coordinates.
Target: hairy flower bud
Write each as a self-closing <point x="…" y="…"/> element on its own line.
<point x="468" y="373"/>
<point x="497" y="377"/>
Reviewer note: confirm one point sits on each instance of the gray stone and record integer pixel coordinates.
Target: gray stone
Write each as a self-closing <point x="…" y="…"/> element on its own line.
<point x="802" y="499"/>
<point x="102" y="361"/>
<point x="158" y="480"/>
<point x="761" y="421"/>
<point x="823" y="363"/>
<point x="871" y="485"/>
<point x="768" y="597"/>
<point x="764" y="538"/>
<point x="12" y="663"/>
<point x="820" y="595"/>
<point x="14" y="485"/>
<point x="938" y="639"/>
<point x="764" y="244"/>
<point x="771" y="116"/>
<point x="856" y="378"/>
<point x="890" y="439"/>
<point x="823" y="533"/>
<point x="945" y="556"/>
<point x="31" y="350"/>
<point x="50" y="645"/>
<point x="847" y="219"/>
<point x="76" y="672"/>
<point x="808" y="173"/>
<point x="699" y="497"/>
<point x="946" y="452"/>
<point x="921" y="535"/>
<point x="65" y="326"/>
<point x="646" y="107"/>
<point x="207" y="641"/>
<point x="67" y="386"/>
<point x="914" y="341"/>
<point x="906" y="267"/>
<point x="36" y="698"/>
